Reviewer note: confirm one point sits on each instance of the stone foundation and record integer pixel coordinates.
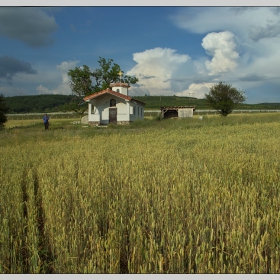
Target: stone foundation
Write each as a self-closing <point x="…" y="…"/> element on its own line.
<point x="94" y="123"/>
<point x="124" y="122"/>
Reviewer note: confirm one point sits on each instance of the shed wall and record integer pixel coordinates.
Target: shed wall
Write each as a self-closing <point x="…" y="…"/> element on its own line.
<point x="185" y="113"/>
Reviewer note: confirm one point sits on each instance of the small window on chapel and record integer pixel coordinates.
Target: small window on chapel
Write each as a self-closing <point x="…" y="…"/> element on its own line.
<point x="113" y="103"/>
<point x="118" y="90"/>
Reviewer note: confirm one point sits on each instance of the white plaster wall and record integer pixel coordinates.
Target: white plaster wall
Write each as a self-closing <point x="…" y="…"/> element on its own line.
<point x="185" y="113"/>
<point x="136" y="116"/>
<point x="122" y="90"/>
<point x="101" y="112"/>
<point x="122" y="108"/>
<point x="93" y="117"/>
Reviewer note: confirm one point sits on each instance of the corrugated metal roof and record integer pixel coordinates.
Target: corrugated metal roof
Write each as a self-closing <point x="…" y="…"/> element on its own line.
<point x="177" y="107"/>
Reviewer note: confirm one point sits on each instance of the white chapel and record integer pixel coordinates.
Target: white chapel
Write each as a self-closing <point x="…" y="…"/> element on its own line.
<point x="114" y="106"/>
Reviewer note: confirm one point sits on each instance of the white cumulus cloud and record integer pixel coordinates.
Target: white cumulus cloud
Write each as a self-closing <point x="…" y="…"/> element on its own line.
<point x="43" y="90"/>
<point x="196" y="90"/>
<point x="222" y="47"/>
<point x="155" y="68"/>
<point x="64" y="67"/>
<point x="64" y="87"/>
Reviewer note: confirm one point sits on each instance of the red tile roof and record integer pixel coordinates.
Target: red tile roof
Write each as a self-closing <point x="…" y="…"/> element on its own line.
<point x="139" y="101"/>
<point x="102" y="92"/>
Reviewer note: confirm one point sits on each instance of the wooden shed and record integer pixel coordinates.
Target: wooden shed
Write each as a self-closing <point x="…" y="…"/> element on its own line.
<point x="177" y="112"/>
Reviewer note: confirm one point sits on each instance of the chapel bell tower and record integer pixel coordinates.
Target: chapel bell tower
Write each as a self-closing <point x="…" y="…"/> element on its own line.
<point x="120" y="87"/>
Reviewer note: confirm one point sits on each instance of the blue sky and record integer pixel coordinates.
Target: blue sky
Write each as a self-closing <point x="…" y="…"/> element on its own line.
<point x="173" y="50"/>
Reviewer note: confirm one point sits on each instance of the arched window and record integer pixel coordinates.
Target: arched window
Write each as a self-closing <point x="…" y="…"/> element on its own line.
<point x="113" y="103"/>
<point x="92" y="109"/>
<point x="118" y="90"/>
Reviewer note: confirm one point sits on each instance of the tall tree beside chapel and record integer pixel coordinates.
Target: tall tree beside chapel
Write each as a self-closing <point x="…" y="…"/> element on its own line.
<point x="84" y="82"/>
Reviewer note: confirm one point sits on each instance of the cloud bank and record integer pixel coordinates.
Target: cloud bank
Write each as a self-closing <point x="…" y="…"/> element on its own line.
<point x="10" y="66"/>
<point x="241" y="47"/>
<point x="33" y="26"/>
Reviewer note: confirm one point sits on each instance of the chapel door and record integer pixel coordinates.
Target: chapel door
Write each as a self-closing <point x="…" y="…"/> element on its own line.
<point x="113" y="115"/>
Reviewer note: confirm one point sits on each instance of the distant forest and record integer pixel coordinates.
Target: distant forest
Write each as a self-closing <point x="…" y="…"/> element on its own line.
<point x="62" y="103"/>
<point x="38" y="103"/>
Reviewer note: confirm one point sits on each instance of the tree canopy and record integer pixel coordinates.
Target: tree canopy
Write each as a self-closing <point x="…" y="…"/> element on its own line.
<point x="85" y="82"/>
<point x="109" y="73"/>
<point x="81" y="83"/>
<point x="224" y="98"/>
<point x="3" y="111"/>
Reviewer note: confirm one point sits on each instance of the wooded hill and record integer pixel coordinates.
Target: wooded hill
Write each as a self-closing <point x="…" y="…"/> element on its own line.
<point x="56" y="103"/>
<point x="38" y="103"/>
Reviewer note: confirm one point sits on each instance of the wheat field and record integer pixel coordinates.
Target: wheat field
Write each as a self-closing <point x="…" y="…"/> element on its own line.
<point x="174" y="198"/>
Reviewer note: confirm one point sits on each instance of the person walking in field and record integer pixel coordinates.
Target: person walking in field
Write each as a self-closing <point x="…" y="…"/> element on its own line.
<point x="46" y="121"/>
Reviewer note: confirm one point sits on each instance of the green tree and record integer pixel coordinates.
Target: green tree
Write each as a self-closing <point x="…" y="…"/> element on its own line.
<point x="224" y="98"/>
<point x="3" y="110"/>
<point x="81" y="85"/>
<point x="109" y="73"/>
<point x="85" y="82"/>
